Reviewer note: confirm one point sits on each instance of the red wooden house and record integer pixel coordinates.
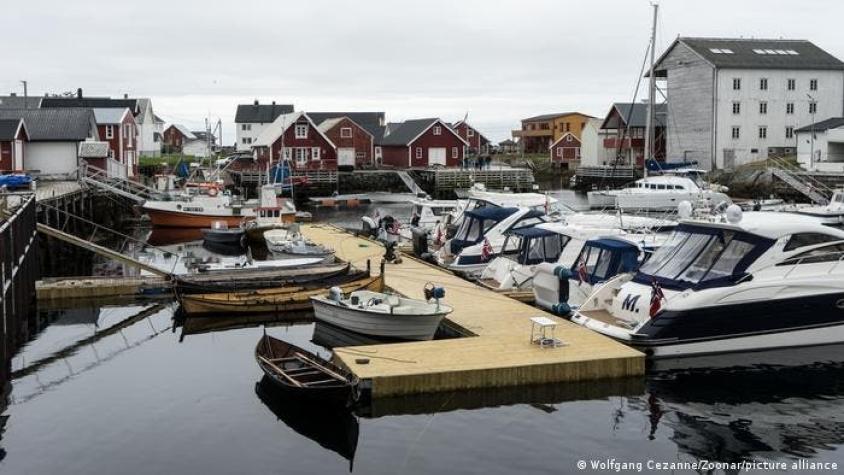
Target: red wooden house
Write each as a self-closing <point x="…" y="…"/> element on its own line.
<point x="565" y="150"/>
<point x="478" y="144"/>
<point x="355" y="145"/>
<point x="175" y="136"/>
<point x="296" y="138"/>
<point x="118" y="128"/>
<point x="13" y="134"/>
<point x="422" y="143"/>
<point x="626" y="127"/>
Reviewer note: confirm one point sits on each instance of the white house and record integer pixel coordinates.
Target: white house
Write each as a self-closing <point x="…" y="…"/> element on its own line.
<point x="54" y="136"/>
<point x="734" y="101"/>
<point x="593" y="153"/>
<point x="820" y="146"/>
<point x="252" y="119"/>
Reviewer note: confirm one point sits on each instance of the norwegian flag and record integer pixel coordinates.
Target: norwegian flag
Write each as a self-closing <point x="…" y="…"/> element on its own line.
<point x="582" y="272"/>
<point x="547" y="204"/>
<point x="438" y="238"/>
<point x="394" y="228"/>
<point x="486" y="250"/>
<point x="656" y="298"/>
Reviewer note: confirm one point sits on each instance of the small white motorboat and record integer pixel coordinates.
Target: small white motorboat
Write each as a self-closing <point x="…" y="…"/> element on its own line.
<point x="381" y="314"/>
<point x="289" y="243"/>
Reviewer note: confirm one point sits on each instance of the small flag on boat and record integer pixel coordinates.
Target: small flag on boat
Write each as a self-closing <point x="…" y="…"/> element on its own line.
<point x="547" y="204"/>
<point x="394" y="228"/>
<point x="582" y="272"/>
<point x="656" y="298"/>
<point x="486" y="250"/>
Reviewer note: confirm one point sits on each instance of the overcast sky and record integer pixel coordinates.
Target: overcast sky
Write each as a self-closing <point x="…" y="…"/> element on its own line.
<point x="497" y="60"/>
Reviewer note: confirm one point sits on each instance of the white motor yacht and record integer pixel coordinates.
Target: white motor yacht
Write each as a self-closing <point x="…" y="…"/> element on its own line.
<point x="660" y="193"/>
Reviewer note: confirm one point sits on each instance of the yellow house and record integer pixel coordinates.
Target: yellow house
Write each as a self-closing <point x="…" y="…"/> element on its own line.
<point x="539" y="132"/>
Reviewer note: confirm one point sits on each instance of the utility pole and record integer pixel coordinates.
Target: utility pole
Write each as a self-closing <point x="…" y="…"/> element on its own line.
<point x="812" y="146"/>
<point x="25" y="96"/>
<point x="650" y="136"/>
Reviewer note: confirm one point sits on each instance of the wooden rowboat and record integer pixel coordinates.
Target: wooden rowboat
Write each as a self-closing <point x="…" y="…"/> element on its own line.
<point x="276" y="300"/>
<point x="256" y="278"/>
<point x="300" y="373"/>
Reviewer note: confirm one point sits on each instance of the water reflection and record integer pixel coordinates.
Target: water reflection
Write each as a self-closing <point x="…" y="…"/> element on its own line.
<point x="334" y="428"/>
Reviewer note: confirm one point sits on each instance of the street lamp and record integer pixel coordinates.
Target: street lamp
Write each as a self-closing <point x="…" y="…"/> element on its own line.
<point x="812" y="110"/>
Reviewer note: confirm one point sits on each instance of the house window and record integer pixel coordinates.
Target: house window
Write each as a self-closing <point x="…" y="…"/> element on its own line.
<point x="736" y="132"/>
<point x="345" y="132"/>
<point x="763" y="107"/>
<point x="301" y="155"/>
<point x="377" y="151"/>
<point x="813" y="84"/>
<point x="789" y="108"/>
<point x="763" y="84"/>
<point x="470" y="133"/>
<point x="813" y="107"/>
<point x="286" y="154"/>
<point x="736" y="84"/>
<point x="126" y="128"/>
<point x="568" y="127"/>
<point x="789" y="132"/>
<point x="791" y="84"/>
<point x="560" y="152"/>
<point x="301" y="131"/>
<point x="360" y="155"/>
<point x="245" y="126"/>
<point x="109" y="129"/>
<point x="736" y="107"/>
<point x="418" y="152"/>
<point x="763" y="132"/>
<point x="110" y="153"/>
<point x="438" y="130"/>
<point x="315" y="153"/>
<point x="568" y="138"/>
<point x="454" y="152"/>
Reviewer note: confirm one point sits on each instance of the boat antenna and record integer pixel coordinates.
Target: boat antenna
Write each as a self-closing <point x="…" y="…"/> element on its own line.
<point x="649" y="136"/>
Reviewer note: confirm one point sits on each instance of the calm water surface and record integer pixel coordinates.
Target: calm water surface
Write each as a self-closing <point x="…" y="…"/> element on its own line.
<point x="129" y="389"/>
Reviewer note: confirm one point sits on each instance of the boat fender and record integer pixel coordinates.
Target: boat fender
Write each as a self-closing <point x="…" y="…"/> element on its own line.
<point x="433" y="292"/>
<point x="335" y="294"/>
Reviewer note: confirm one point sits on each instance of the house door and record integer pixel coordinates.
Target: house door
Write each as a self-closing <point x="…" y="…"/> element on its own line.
<point x="729" y="158"/>
<point x="130" y="163"/>
<point x="17" y="161"/>
<point x="345" y="157"/>
<point x="436" y="156"/>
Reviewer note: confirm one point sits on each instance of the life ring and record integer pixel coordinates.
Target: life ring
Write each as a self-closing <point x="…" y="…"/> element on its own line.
<point x="212" y="192"/>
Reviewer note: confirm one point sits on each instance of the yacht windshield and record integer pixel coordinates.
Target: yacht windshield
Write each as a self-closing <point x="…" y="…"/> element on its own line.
<point x="542" y="249"/>
<point x="694" y="256"/>
<point x="473" y="229"/>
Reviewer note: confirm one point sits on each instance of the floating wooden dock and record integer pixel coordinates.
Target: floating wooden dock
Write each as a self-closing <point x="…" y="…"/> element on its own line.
<point x="98" y="287"/>
<point x="497" y="354"/>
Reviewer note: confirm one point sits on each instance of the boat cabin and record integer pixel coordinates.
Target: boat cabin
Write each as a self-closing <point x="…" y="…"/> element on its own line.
<point x="536" y="245"/>
<point x="603" y="258"/>
<point x="475" y="225"/>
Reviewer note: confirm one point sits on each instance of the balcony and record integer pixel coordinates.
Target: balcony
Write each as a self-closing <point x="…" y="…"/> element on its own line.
<point x="533" y="133"/>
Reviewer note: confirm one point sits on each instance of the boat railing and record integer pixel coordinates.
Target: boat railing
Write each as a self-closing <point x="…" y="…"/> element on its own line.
<point x="796" y="261"/>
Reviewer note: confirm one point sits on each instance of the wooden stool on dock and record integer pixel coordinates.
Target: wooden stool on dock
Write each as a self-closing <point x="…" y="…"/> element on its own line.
<point x="540" y="327"/>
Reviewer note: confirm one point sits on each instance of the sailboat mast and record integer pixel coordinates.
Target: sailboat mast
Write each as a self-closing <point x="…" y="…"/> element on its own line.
<point x="649" y="135"/>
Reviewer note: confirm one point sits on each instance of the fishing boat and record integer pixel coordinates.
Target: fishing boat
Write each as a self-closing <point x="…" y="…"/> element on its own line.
<point x="382" y="314"/>
<point x="221" y="233"/>
<point x="259" y="274"/>
<point x="273" y="212"/>
<point x="303" y="374"/>
<point x="287" y="298"/>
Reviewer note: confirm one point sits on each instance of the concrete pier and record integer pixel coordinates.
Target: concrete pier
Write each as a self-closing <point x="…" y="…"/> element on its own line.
<point x="497" y="354"/>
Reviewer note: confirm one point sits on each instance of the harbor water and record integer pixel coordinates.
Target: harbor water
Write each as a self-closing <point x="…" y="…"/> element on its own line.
<point x="136" y="388"/>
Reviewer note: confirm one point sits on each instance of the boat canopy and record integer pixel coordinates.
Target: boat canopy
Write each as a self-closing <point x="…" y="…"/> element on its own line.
<point x="605" y="258"/>
<point x="475" y="224"/>
<point x="702" y="256"/>
<point x="538" y="245"/>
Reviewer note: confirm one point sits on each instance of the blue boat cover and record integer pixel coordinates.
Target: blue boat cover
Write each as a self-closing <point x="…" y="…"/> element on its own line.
<point x="15" y="181"/>
<point x="532" y="232"/>
<point x="491" y="212"/>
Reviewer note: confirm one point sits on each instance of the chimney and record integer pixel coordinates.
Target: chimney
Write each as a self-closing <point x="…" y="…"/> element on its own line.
<point x="126" y="96"/>
<point x="273" y="102"/>
<point x="14" y="94"/>
<point x="79" y="93"/>
<point x="256" y="102"/>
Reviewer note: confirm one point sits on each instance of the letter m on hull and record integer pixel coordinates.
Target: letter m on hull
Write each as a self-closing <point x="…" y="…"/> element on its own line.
<point x="629" y="303"/>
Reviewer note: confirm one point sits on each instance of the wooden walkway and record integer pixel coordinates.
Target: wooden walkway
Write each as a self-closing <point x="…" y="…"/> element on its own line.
<point x="499" y="355"/>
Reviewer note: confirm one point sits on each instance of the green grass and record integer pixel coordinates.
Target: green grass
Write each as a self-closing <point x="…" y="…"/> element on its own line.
<point x="166" y="159"/>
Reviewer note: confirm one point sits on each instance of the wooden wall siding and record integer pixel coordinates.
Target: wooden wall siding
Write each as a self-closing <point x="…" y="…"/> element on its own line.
<point x="690" y="109"/>
<point x="328" y="155"/>
<point x="361" y="141"/>
<point x="564" y="151"/>
<point x="429" y="140"/>
<point x="6" y="155"/>
<point x="171" y="138"/>
<point x="394" y="156"/>
<point x="476" y="141"/>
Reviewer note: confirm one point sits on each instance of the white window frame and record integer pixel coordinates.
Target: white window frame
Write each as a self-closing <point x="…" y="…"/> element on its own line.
<point x="418" y="153"/>
<point x="737" y="84"/>
<point x="735" y="132"/>
<point x="813" y="107"/>
<point x="789" y="132"/>
<point x="763" y="107"/>
<point x="736" y="107"/>
<point x="301" y="155"/>
<point x="789" y="108"/>
<point x="470" y="133"/>
<point x="560" y="152"/>
<point x="345" y="132"/>
<point x="286" y="154"/>
<point x="763" y="84"/>
<point x="791" y="84"/>
<point x="438" y="130"/>
<point x="454" y="152"/>
<point x="109" y="131"/>
<point x="315" y="153"/>
<point x="813" y="84"/>
<point x="301" y="131"/>
<point x="763" y="132"/>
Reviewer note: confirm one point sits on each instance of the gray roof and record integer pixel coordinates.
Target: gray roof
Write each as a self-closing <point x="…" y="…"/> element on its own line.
<point x="637" y="113"/>
<point x="64" y="124"/>
<point x="109" y="115"/>
<point x="370" y="121"/>
<point x="8" y="128"/>
<point x="824" y="125"/>
<point x="749" y="53"/>
<point x="203" y="135"/>
<point x="407" y="131"/>
<point x="18" y="102"/>
<point x="92" y="102"/>
<point x="92" y="149"/>
<point x="260" y="113"/>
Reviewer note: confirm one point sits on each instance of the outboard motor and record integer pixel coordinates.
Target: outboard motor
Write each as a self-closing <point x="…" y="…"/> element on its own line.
<point x="335" y="294"/>
<point x="420" y="243"/>
<point x="369" y="227"/>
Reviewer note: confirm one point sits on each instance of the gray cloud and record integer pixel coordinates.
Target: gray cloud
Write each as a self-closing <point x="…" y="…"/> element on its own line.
<point x="498" y="60"/>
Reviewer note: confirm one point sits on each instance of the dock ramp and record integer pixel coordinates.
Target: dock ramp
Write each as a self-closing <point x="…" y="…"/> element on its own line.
<point x="121" y="186"/>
